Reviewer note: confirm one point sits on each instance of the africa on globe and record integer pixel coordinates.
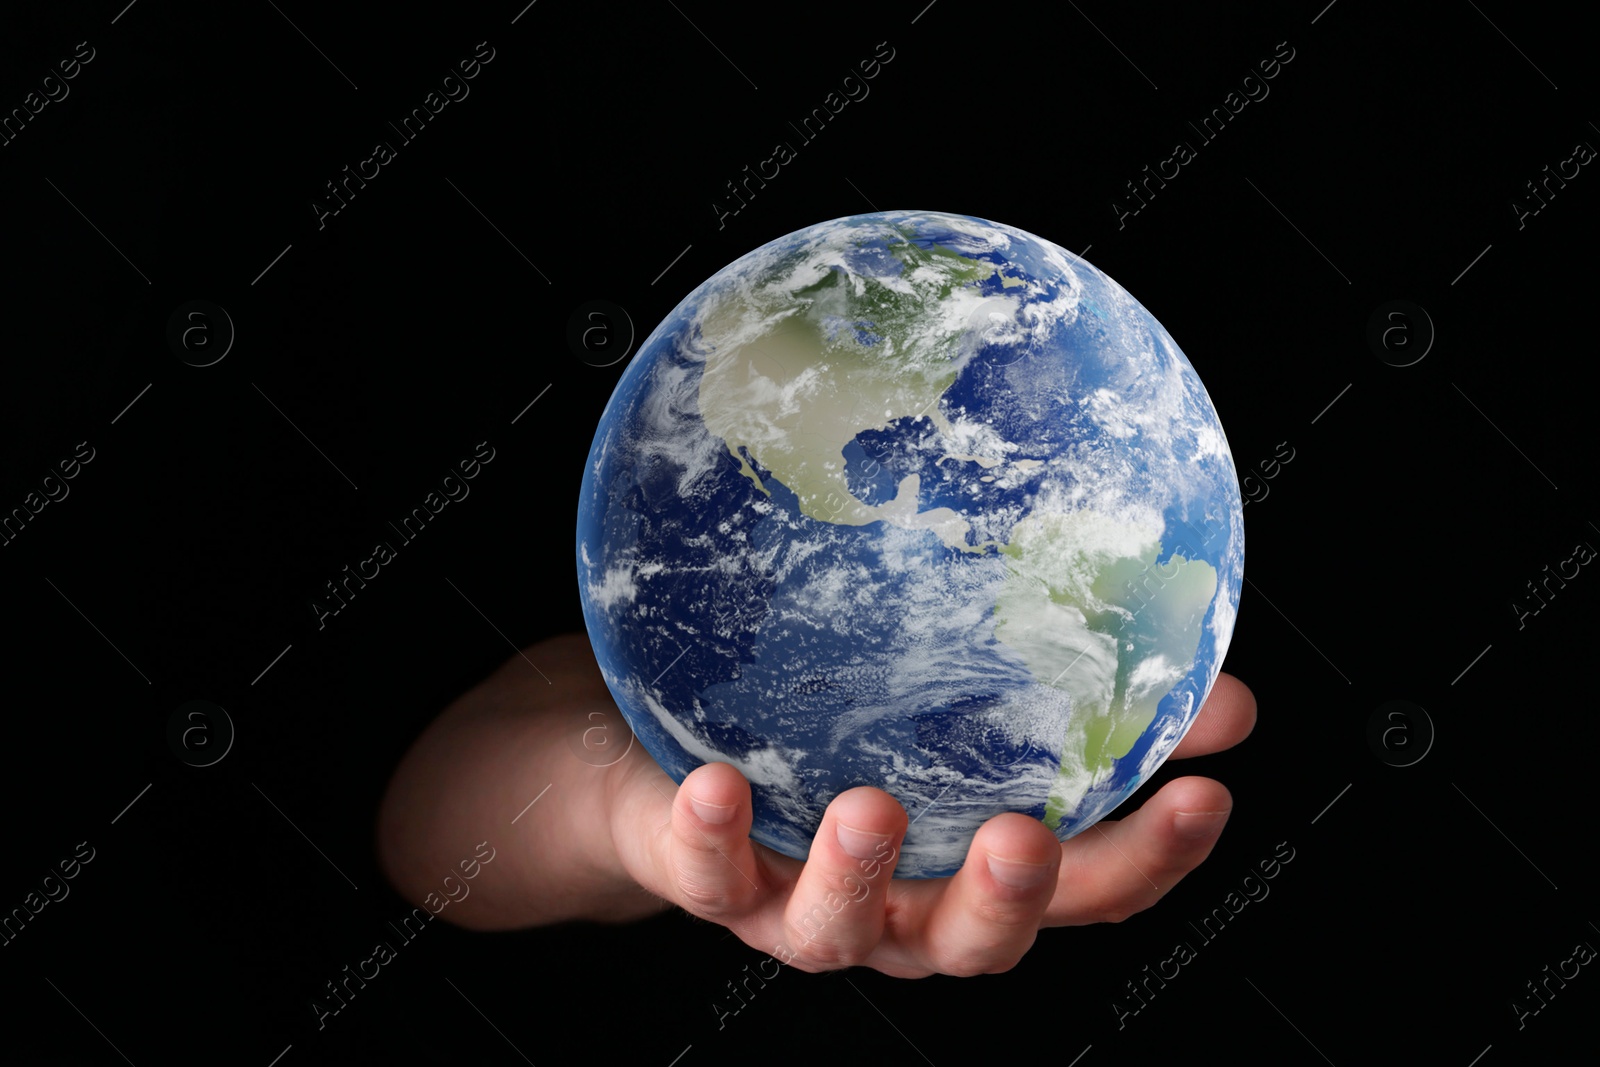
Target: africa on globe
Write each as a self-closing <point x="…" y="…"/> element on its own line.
<point x="917" y="501"/>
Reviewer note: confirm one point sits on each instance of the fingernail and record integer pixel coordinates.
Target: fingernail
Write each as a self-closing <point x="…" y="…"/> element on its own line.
<point x="1016" y="873"/>
<point x="1198" y="825"/>
<point x="861" y="844"/>
<point x="715" y="814"/>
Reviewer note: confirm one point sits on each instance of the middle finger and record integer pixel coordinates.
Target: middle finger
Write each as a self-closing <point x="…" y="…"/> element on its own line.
<point x="835" y="916"/>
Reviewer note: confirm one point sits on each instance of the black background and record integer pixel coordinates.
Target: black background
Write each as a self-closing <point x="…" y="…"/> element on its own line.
<point x="1382" y="564"/>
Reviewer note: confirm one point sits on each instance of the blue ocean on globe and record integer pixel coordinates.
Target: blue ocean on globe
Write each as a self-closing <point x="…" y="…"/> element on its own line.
<point x="918" y="501"/>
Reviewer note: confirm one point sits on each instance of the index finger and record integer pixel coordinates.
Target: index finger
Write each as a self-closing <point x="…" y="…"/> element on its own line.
<point x="1226" y="718"/>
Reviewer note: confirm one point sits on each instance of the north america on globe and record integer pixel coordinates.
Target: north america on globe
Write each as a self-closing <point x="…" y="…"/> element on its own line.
<point x="918" y="501"/>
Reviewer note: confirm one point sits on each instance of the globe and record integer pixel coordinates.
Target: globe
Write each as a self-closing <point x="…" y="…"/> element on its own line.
<point x="918" y="501"/>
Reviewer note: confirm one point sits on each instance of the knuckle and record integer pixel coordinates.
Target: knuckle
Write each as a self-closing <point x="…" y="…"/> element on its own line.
<point x="829" y="955"/>
<point x="839" y="889"/>
<point x="704" y="892"/>
<point x="704" y="899"/>
<point x="803" y="962"/>
<point x="1007" y="916"/>
<point x="995" y="956"/>
<point x="960" y="963"/>
<point x="819" y="948"/>
<point x="1118" y="911"/>
<point x="1002" y="966"/>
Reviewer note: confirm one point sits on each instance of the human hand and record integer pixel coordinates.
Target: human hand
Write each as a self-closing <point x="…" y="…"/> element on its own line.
<point x="618" y="841"/>
<point x="690" y="845"/>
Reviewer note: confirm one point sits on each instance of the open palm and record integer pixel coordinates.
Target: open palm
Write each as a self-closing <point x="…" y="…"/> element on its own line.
<point x="840" y="907"/>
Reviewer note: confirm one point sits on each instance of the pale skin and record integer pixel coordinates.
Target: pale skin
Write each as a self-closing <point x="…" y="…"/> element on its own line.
<point x="623" y="842"/>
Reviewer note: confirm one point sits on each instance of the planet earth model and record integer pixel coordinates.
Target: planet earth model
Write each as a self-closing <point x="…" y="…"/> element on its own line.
<point x="917" y="501"/>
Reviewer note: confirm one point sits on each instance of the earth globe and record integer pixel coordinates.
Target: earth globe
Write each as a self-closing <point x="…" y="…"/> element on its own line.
<point x="919" y="501"/>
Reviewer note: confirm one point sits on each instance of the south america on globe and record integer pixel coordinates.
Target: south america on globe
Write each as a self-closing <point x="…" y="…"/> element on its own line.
<point x="917" y="501"/>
